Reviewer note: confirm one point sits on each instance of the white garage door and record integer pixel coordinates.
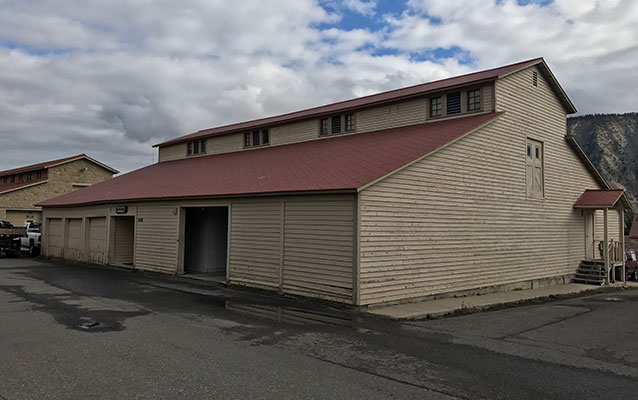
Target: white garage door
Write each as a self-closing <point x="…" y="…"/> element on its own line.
<point x="97" y="240"/>
<point x="55" y="241"/>
<point x="74" y="242"/>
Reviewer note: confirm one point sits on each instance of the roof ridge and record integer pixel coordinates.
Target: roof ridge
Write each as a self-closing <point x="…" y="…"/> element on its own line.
<point x="43" y="164"/>
<point x="364" y="100"/>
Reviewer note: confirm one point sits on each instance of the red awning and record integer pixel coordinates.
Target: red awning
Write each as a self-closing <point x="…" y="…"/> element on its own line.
<point x="603" y="198"/>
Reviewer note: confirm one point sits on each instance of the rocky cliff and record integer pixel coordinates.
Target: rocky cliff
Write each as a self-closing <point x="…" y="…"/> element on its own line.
<point x="611" y="142"/>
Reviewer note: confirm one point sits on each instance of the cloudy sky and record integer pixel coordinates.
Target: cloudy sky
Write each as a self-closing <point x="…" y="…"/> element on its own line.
<point x="111" y="78"/>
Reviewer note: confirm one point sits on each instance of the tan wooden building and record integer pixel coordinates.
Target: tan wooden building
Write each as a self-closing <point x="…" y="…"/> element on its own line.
<point x="22" y="188"/>
<point x="463" y="184"/>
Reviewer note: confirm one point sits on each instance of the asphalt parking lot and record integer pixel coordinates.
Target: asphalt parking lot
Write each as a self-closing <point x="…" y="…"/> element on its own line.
<point x="72" y="331"/>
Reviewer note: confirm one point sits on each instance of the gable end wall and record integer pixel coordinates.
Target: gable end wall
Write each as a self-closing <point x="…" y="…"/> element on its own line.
<point x="460" y="218"/>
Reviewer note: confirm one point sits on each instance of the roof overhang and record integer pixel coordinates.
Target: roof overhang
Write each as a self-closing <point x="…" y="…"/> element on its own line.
<point x="597" y="199"/>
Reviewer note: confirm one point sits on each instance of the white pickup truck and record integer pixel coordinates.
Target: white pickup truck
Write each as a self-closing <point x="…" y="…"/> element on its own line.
<point x="32" y="240"/>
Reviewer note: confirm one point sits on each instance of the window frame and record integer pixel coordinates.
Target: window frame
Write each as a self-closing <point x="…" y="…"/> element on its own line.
<point x="471" y="103"/>
<point x="324" y="126"/>
<point x="256" y="138"/>
<point x="439" y="107"/>
<point x="349" y="122"/>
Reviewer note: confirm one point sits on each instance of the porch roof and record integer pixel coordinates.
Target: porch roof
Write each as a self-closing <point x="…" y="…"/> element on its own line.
<point x="602" y="198"/>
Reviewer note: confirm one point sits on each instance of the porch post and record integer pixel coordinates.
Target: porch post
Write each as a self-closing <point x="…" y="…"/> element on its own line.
<point x="606" y="245"/>
<point x="621" y="238"/>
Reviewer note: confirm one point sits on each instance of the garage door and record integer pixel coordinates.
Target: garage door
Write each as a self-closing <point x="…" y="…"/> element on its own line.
<point x="97" y="240"/>
<point x="74" y="242"/>
<point x="54" y="240"/>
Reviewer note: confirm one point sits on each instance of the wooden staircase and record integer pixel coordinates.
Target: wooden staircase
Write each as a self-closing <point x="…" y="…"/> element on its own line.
<point x="591" y="271"/>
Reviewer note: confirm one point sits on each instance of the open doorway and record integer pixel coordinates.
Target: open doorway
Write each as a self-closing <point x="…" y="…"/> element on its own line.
<point x="206" y="240"/>
<point x="123" y="239"/>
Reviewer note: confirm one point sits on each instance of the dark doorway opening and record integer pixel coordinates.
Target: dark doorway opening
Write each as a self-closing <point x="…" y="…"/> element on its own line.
<point x="206" y="241"/>
<point x="123" y="239"/>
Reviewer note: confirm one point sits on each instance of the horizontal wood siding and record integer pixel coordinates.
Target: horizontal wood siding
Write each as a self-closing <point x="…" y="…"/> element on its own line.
<point x="391" y="116"/>
<point x="294" y="132"/>
<point x="396" y="114"/>
<point x="55" y="242"/>
<point x="488" y="98"/>
<point x="255" y="240"/>
<point x="97" y="240"/>
<point x="461" y="219"/>
<point x="156" y="235"/>
<point x="75" y="240"/>
<point x="319" y="248"/>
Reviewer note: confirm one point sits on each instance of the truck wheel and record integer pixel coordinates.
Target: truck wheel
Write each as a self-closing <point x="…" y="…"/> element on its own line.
<point x="33" y="250"/>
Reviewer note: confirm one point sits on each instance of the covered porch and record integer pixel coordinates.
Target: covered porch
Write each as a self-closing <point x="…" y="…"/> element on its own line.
<point x="604" y="260"/>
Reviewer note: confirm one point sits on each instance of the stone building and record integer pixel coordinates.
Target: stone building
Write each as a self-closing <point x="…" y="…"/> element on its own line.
<point x="22" y="188"/>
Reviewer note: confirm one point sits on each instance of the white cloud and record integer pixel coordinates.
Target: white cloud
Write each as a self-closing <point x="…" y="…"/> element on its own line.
<point x="590" y="45"/>
<point x="112" y="78"/>
<point x="362" y="7"/>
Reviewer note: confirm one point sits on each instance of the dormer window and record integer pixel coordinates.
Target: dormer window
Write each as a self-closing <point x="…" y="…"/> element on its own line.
<point x="474" y="100"/>
<point x="323" y="126"/>
<point x="256" y="138"/>
<point x="337" y="124"/>
<point x="453" y="103"/>
<point x="349" y="122"/>
<point x="196" y="147"/>
<point x="436" y="107"/>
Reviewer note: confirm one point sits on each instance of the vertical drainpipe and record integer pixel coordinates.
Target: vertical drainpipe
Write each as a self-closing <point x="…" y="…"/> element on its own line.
<point x="621" y="238"/>
<point x="606" y="245"/>
<point x="282" y="227"/>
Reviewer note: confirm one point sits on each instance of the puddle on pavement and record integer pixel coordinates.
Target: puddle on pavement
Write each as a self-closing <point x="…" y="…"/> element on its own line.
<point x="71" y="315"/>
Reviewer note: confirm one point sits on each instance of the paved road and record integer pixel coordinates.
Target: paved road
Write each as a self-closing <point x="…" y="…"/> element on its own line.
<point x="70" y="332"/>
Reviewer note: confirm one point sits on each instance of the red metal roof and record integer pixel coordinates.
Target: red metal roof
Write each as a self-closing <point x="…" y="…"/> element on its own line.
<point x="47" y="164"/>
<point x="602" y="198"/>
<point x="339" y="163"/>
<point x="633" y="233"/>
<point x="391" y="95"/>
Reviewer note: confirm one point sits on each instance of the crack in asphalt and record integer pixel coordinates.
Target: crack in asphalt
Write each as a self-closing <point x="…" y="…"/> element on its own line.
<point x="550" y="323"/>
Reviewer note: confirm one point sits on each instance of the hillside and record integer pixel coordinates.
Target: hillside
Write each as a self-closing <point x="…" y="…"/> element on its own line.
<point x="611" y="142"/>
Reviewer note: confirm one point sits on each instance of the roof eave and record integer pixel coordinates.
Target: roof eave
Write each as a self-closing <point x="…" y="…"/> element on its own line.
<point x="225" y="196"/>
